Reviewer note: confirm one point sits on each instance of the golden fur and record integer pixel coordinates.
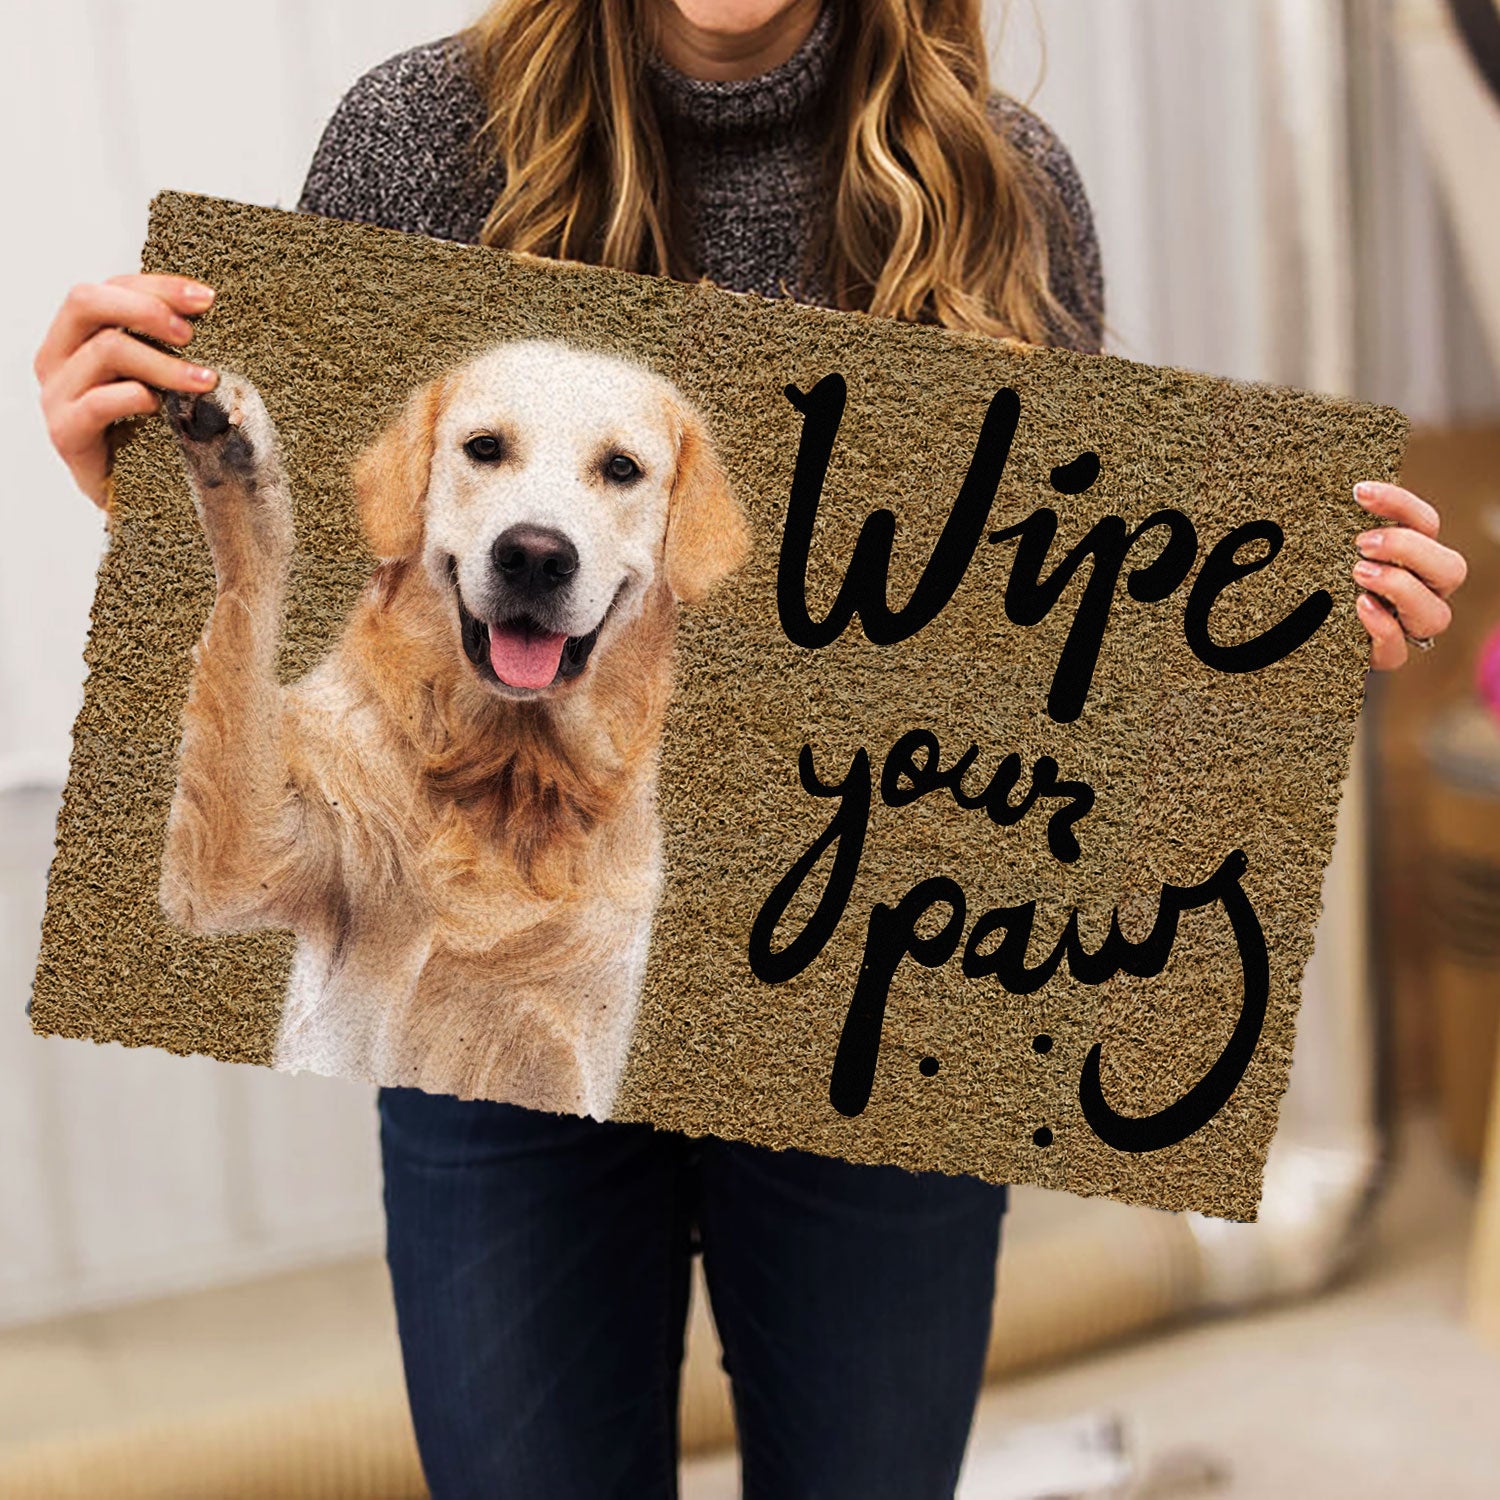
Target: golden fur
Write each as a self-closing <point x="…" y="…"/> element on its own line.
<point x="470" y="877"/>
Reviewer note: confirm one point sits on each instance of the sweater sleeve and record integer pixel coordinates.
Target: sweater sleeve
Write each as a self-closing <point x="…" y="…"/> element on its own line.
<point x="1072" y="243"/>
<point x="400" y="151"/>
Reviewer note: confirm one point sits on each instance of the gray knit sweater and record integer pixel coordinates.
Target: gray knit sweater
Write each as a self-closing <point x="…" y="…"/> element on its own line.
<point x="399" y="152"/>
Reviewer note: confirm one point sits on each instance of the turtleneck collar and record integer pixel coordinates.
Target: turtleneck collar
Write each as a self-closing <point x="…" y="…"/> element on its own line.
<point x="775" y="99"/>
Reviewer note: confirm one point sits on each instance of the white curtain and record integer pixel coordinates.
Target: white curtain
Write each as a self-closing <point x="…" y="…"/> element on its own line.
<point x="1460" y="118"/>
<point x="1262" y="190"/>
<point x="1247" y="230"/>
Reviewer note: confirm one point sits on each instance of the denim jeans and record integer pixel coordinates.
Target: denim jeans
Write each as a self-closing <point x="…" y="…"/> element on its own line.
<point x="540" y="1265"/>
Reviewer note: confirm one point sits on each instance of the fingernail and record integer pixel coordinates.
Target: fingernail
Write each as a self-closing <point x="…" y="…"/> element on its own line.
<point x="1366" y="571"/>
<point x="202" y="376"/>
<point x="180" y="330"/>
<point x="198" y="294"/>
<point x="1364" y="493"/>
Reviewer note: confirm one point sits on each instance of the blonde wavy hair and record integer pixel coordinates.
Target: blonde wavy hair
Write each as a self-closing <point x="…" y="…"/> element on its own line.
<point x="936" y="217"/>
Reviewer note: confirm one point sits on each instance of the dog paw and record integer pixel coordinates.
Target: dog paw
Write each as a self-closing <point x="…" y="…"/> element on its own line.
<point x="226" y="436"/>
<point x="228" y="442"/>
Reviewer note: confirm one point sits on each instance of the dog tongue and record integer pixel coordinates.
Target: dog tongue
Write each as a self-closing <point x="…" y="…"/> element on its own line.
<point x="525" y="658"/>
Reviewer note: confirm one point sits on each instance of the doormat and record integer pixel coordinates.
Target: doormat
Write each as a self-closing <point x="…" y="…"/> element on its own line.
<point x="620" y="696"/>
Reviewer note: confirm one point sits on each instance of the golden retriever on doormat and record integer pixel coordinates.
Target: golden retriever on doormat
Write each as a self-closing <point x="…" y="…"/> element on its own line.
<point x="455" y="811"/>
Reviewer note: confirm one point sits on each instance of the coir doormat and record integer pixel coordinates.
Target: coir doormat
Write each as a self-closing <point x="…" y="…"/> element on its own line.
<point x="618" y="696"/>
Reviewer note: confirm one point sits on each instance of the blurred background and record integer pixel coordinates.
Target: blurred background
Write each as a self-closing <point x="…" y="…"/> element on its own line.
<point x="1301" y="191"/>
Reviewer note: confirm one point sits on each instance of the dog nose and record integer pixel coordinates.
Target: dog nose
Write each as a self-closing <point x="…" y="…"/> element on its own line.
<point x="534" y="560"/>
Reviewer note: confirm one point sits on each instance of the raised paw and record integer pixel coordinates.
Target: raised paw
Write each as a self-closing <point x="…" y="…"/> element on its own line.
<point x="229" y="444"/>
<point x="226" y="436"/>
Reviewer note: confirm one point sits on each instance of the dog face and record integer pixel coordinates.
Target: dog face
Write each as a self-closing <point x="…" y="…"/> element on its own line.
<point x="547" y="490"/>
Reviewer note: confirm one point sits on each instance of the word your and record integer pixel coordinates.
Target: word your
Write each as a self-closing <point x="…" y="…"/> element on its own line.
<point x="892" y="936"/>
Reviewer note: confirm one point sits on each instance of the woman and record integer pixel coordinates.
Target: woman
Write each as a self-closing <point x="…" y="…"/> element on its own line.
<point x="849" y="154"/>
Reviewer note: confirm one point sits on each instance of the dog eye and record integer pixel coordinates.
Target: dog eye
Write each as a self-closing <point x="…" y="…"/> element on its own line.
<point x="485" y="448"/>
<point x="622" y="467"/>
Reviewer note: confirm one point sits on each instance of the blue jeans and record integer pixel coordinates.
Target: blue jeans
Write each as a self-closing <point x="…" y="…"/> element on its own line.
<point x="540" y="1265"/>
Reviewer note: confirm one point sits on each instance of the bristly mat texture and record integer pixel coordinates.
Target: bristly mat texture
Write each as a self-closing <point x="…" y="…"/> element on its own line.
<point x="1015" y="874"/>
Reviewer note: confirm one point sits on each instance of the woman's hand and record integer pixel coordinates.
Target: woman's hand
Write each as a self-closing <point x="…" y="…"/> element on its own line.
<point x="1409" y="568"/>
<point x="92" y="372"/>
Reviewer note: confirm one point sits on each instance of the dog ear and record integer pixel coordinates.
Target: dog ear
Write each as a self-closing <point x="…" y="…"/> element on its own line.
<point x="708" y="536"/>
<point x="391" y="475"/>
